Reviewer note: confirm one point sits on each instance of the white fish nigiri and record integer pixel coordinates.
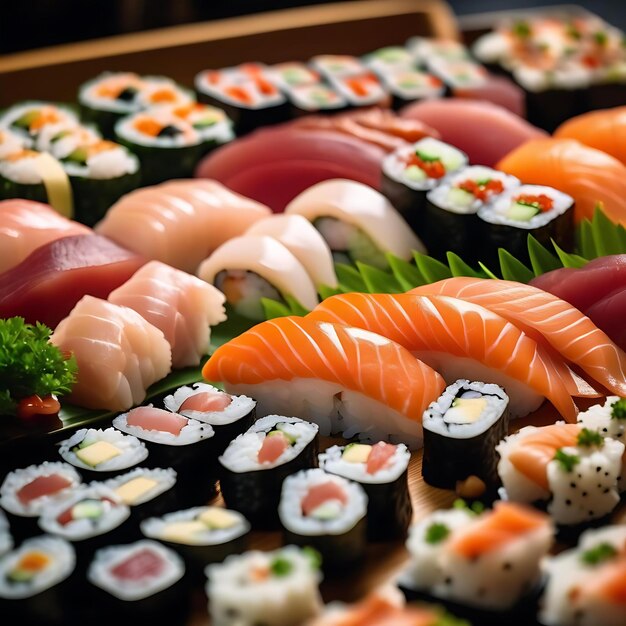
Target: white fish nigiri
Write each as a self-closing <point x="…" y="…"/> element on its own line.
<point x="119" y="354"/>
<point x="297" y="234"/>
<point x="181" y="305"/>
<point x="251" y="267"/>
<point x="180" y="222"/>
<point x="356" y="221"/>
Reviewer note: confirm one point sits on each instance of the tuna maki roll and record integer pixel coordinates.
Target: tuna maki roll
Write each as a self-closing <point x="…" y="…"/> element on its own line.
<point x="201" y="535"/>
<point x="326" y="512"/>
<point x="228" y="415"/>
<point x="461" y="431"/>
<point x="382" y="471"/>
<point x="278" y="588"/>
<point x="541" y="211"/>
<point x="410" y="172"/>
<point x="255" y="464"/>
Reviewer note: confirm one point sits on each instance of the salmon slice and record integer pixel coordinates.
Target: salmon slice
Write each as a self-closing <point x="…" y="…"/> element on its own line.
<point x="149" y="418"/>
<point x="42" y="486"/>
<point x="507" y="522"/>
<point x="272" y="447"/>
<point x="320" y="494"/>
<point x="538" y="313"/>
<point x="532" y="454"/>
<point x="290" y="347"/>
<point x="590" y="176"/>
<point x="379" y="457"/>
<point x="458" y="337"/>
<point x="609" y="584"/>
<point x="604" y="130"/>
<point x="205" y="402"/>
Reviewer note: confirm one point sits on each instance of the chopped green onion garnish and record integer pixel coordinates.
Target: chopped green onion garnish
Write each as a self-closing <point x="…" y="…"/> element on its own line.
<point x="281" y="567"/>
<point x="589" y="438"/>
<point x="618" y="409"/>
<point x="566" y="461"/>
<point x="436" y="533"/>
<point x="599" y="554"/>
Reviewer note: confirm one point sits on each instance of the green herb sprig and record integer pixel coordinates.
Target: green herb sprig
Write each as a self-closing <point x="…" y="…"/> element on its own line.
<point x="567" y="461"/>
<point x="602" y="552"/>
<point x="436" y="533"/>
<point x="589" y="438"/>
<point x="618" y="409"/>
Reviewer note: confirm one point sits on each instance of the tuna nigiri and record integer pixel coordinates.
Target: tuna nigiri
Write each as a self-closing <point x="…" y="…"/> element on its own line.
<point x="460" y="340"/>
<point x="590" y="176"/>
<point x="538" y="313"/>
<point x="180" y="222"/>
<point x="45" y="286"/>
<point x="26" y="225"/>
<point x="119" y="354"/>
<point x="345" y="379"/>
<point x="604" y="130"/>
<point x="182" y="306"/>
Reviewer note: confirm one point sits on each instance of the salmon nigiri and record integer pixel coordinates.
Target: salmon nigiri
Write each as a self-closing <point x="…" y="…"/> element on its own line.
<point x="604" y="130"/>
<point x="460" y="340"/>
<point x="590" y="176"/>
<point x="538" y="312"/>
<point x="345" y="379"/>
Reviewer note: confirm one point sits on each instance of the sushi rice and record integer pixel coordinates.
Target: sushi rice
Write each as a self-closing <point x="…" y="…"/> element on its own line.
<point x="10" y="143"/>
<point x="152" y="483"/>
<point x="6" y="540"/>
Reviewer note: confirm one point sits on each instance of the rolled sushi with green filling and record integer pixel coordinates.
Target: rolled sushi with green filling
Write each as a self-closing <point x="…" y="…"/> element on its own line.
<point x="544" y="212"/>
<point x="10" y="143"/>
<point x="31" y="119"/>
<point x="389" y="60"/>
<point x="316" y="98"/>
<point x="337" y="65"/>
<point x="292" y="74"/>
<point x="409" y="85"/>
<point x="459" y="74"/>
<point x="362" y="90"/>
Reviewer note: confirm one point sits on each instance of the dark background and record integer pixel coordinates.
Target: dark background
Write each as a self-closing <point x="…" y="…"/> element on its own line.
<point x="28" y="24"/>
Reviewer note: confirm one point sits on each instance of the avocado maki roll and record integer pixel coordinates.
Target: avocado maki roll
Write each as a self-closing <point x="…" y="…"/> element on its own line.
<point x="461" y="431"/>
<point x="382" y="471"/>
<point x="255" y="464"/>
<point x="34" y="119"/>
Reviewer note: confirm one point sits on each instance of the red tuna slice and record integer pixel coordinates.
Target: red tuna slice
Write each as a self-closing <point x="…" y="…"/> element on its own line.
<point x="274" y="165"/>
<point x="319" y="494"/>
<point x="272" y="447"/>
<point x="583" y="287"/>
<point x="498" y="90"/>
<point x="609" y="315"/>
<point x="142" y="564"/>
<point x="149" y="418"/>
<point x="379" y="457"/>
<point x="42" y="486"/>
<point x="206" y="402"/>
<point x="52" y="279"/>
<point x="486" y="132"/>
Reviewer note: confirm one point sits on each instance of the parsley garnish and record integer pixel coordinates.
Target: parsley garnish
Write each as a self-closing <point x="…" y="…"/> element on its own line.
<point x="522" y="29"/>
<point x="589" y="438"/>
<point x="281" y="567"/>
<point x="436" y="532"/>
<point x="618" y="409"/>
<point x="601" y="38"/>
<point x="600" y="553"/>
<point x="567" y="461"/>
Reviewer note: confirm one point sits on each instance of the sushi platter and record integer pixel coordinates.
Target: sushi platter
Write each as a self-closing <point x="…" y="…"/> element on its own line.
<point x="324" y="338"/>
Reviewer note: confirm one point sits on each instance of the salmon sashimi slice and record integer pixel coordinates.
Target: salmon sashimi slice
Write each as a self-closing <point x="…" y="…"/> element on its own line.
<point x="149" y="418"/>
<point x="206" y="402"/>
<point x="272" y="447"/>
<point x="609" y="584"/>
<point x="459" y="339"/>
<point x="322" y="493"/>
<point x="42" y="486"/>
<point x="532" y="453"/>
<point x="495" y="529"/>
<point x="571" y="333"/>
<point x="590" y="176"/>
<point x="379" y="457"/>
<point x="290" y="347"/>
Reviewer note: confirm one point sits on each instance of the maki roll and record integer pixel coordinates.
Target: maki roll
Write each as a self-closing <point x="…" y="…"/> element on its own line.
<point x="459" y="74"/>
<point x="450" y="215"/>
<point x="167" y="145"/>
<point x="585" y="584"/>
<point x="485" y="566"/>
<point x="6" y="540"/>
<point x="410" y="172"/>
<point x="461" y="431"/>
<point x="136" y="579"/>
<point x="389" y="60"/>
<point x="541" y="211"/>
<point x="34" y="120"/>
<point x="425" y="49"/>
<point x="574" y="470"/>
<point x="278" y="588"/>
<point x="362" y="90"/>
<point x="202" y="535"/>
<point x="382" y="471"/>
<point x="147" y="491"/>
<point x="409" y="85"/>
<point x="31" y="580"/>
<point x="247" y="95"/>
<point x="97" y="452"/>
<point x="255" y="464"/>
<point x="316" y="98"/>
<point x="292" y="74"/>
<point x="228" y="415"/>
<point x="326" y="512"/>
<point x="10" y="143"/>
<point x="337" y="65"/>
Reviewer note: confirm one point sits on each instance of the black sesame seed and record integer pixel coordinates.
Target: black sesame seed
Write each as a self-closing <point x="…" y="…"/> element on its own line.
<point x="605" y="430"/>
<point x="598" y="469"/>
<point x="568" y="502"/>
<point x="572" y="485"/>
<point x="606" y="473"/>
<point x="590" y="513"/>
<point x="584" y="493"/>
<point x="448" y="580"/>
<point x="606" y="490"/>
<point x="507" y="566"/>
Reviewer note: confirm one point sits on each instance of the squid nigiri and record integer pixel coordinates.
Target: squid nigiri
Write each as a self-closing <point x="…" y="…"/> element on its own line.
<point x="345" y="379"/>
<point x="182" y="306"/>
<point x="539" y="313"/>
<point x="119" y="354"/>
<point x="590" y="176"/>
<point x="460" y="340"/>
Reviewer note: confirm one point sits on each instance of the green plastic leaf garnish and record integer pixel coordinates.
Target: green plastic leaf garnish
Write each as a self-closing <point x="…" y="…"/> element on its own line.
<point x="589" y="438"/>
<point x="618" y="409"/>
<point x="436" y="533"/>
<point x="378" y="281"/>
<point x="350" y="278"/>
<point x="273" y="308"/>
<point x="407" y="275"/>
<point x="512" y="269"/>
<point x="602" y="552"/>
<point x="541" y="259"/>
<point x="567" y="461"/>
<point x="431" y="269"/>
<point x="569" y="260"/>
<point x="295" y="307"/>
<point x="459" y="267"/>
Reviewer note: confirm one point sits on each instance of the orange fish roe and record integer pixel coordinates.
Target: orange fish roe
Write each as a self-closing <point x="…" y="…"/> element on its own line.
<point x="433" y="168"/>
<point x="482" y="190"/>
<point x="542" y="202"/>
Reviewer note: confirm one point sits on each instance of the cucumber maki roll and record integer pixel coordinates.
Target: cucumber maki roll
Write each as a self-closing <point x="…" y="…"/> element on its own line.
<point x="278" y="588"/>
<point x="316" y="98"/>
<point x="461" y="431"/>
<point x="458" y="74"/>
<point x="426" y="48"/>
<point x="382" y="471"/>
<point x="292" y="74"/>
<point x="410" y="172"/>
<point x="326" y="512"/>
<point x="202" y="535"/>
<point x="256" y="463"/>
<point x="228" y="415"/>
<point x="389" y="60"/>
<point x="167" y="146"/>
<point x="541" y="211"/>
<point x="409" y="85"/>
<point x="33" y="119"/>
<point x="337" y="65"/>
